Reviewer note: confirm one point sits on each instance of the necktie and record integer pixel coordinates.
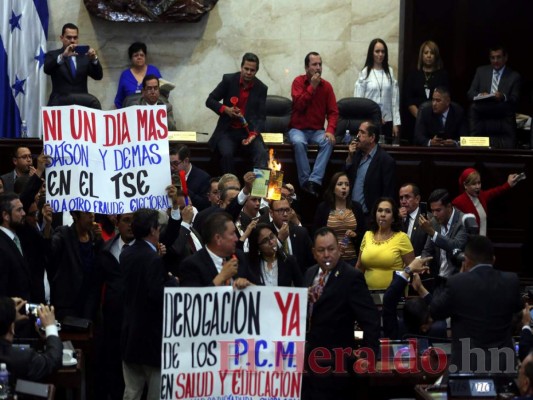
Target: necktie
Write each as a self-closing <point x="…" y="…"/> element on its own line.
<point x="495" y="81"/>
<point x="72" y="66"/>
<point x="286" y="246"/>
<point x="17" y="242"/>
<point x="124" y="247"/>
<point x="317" y="289"/>
<point x="406" y="223"/>
<point x="443" y="121"/>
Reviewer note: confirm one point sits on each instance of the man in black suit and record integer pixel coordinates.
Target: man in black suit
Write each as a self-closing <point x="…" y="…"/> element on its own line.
<point x="111" y="274"/>
<point x="14" y="270"/>
<point x="481" y="302"/>
<point x="142" y="330"/>
<point x="218" y="262"/>
<point x="369" y="167"/>
<point x="230" y="134"/>
<point x="410" y="212"/>
<point x="23" y="163"/>
<point x="445" y="232"/>
<point x="180" y="238"/>
<point x="69" y="71"/>
<point x="294" y="239"/>
<point x="338" y="297"/>
<point x="442" y="124"/>
<point x="25" y="363"/>
<point x="499" y="88"/>
<point x="197" y="179"/>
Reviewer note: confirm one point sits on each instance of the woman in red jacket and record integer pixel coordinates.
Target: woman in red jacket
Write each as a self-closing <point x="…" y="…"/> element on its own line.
<point x="474" y="200"/>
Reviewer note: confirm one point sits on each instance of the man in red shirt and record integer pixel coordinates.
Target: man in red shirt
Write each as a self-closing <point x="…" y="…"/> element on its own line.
<point x="249" y="95"/>
<point x="313" y="102"/>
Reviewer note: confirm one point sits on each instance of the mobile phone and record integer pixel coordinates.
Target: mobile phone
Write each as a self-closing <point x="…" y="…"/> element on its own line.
<point x="423" y="206"/>
<point x="520" y="177"/>
<point x="81" y="49"/>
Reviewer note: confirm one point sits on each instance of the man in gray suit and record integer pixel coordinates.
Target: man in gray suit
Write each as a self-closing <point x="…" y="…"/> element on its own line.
<point x="446" y="233"/>
<point x="23" y="163"/>
<point x="496" y="90"/>
<point x="410" y="213"/>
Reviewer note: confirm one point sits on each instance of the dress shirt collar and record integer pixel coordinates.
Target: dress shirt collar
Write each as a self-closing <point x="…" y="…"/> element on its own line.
<point x="8" y="232"/>
<point x="245" y="86"/>
<point x="218" y="261"/>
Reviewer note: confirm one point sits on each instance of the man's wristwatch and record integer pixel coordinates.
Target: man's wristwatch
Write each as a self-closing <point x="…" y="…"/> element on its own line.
<point x="408" y="271"/>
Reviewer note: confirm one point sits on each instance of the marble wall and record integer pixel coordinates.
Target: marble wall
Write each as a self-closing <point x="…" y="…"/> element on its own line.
<point x="195" y="55"/>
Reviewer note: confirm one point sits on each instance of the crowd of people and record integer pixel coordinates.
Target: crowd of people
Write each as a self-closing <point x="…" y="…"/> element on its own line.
<point x="112" y="269"/>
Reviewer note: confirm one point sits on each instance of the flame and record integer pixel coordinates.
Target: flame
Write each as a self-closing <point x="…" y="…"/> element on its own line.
<point x="272" y="162"/>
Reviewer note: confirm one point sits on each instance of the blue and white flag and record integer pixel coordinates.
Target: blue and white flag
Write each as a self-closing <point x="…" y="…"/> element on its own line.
<point x="23" y="34"/>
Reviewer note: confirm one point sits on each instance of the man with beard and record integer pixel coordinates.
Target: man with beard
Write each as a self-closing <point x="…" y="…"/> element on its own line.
<point x="14" y="269"/>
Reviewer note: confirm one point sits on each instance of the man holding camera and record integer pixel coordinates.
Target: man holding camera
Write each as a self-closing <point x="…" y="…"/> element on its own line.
<point x="22" y="362"/>
<point x="69" y="68"/>
<point x="446" y="233"/>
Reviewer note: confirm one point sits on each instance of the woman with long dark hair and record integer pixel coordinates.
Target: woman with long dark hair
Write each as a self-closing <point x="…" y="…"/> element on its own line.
<point x="343" y="215"/>
<point x="376" y="82"/>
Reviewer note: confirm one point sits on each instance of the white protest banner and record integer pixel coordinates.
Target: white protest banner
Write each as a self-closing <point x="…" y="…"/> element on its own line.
<point x="108" y="162"/>
<point x="222" y="343"/>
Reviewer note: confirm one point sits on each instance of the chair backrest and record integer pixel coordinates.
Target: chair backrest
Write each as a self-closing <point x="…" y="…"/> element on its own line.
<point x="34" y="390"/>
<point x="495" y="120"/>
<point x="278" y="114"/>
<point x="81" y="99"/>
<point x="353" y="111"/>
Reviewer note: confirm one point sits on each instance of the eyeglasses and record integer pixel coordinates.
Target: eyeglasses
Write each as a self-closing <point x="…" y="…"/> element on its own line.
<point x="176" y="163"/>
<point x="151" y="88"/>
<point x="283" y="210"/>
<point x="268" y="239"/>
<point x="25" y="156"/>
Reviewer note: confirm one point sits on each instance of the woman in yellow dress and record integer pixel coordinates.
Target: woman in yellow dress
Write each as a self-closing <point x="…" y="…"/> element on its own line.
<point x="385" y="248"/>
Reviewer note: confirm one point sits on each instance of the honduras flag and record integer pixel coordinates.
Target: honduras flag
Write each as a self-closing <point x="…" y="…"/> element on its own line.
<point x="23" y="34"/>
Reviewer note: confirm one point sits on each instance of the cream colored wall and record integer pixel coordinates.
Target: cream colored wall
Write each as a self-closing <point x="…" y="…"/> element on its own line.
<point x="195" y="55"/>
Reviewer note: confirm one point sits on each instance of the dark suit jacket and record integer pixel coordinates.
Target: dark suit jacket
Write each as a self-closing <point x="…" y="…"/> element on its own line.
<point x="177" y="240"/>
<point x="144" y="281"/>
<point x="9" y="181"/>
<point x="344" y="300"/>
<point x="198" y="186"/>
<point x="481" y="304"/>
<point x="509" y="83"/>
<point x="418" y="236"/>
<point x="429" y="124"/>
<point x="73" y="290"/>
<point x="15" y="276"/>
<point x="199" y="269"/>
<point x="395" y="329"/>
<point x="379" y="179"/>
<point x="455" y="239"/>
<point x="255" y="113"/>
<point x="301" y="245"/>
<point x="29" y="364"/>
<point x="289" y="273"/>
<point x="63" y="83"/>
